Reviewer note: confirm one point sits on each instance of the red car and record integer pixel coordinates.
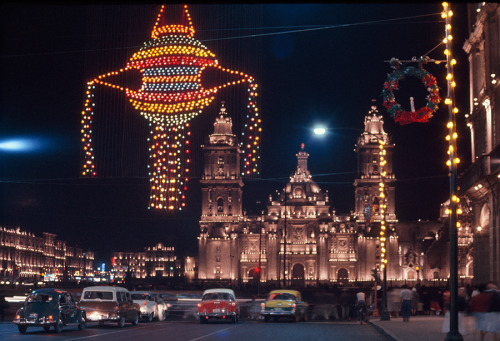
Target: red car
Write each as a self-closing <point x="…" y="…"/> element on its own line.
<point x="219" y="304"/>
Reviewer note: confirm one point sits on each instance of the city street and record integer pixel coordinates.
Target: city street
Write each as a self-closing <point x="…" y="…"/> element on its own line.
<point x="191" y="330"/>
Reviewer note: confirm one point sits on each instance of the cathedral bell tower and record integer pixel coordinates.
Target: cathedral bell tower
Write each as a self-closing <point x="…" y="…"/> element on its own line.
<point x="221" y="210"/>
<point x="367" y="191"/>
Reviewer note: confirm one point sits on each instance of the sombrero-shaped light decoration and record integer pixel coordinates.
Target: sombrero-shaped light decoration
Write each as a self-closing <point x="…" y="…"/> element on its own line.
<point x="171" y="65"/>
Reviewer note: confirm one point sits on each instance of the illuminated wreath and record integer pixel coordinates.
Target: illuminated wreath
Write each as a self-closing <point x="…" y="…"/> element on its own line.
<point x="396" y="110"/>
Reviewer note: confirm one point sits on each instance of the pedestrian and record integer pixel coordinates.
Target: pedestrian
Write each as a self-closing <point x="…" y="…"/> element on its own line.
<point x="494" y="312"/>
<point x="406" y="296"/>
<point x="361" y="306"/>
<point x="414" y="301"/>
<point x="480" y="307"/>
<point x="465" y="322"/>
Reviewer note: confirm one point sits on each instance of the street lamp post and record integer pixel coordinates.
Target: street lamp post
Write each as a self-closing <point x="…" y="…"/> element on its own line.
<point x="384" y="314"/>
<point x="454" y="333"/>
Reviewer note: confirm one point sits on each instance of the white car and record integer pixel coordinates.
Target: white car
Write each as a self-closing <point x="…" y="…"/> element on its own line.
<point x="147" y="304"/>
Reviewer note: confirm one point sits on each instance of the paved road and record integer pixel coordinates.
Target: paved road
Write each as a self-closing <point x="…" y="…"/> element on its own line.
<point x="192" y="330"/>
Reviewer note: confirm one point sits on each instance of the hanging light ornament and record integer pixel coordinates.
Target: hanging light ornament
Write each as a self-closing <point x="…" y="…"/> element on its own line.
<point x="171" y="65"/>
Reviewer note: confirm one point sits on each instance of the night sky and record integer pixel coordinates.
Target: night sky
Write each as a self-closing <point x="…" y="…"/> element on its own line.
<point x="319" y="63"/>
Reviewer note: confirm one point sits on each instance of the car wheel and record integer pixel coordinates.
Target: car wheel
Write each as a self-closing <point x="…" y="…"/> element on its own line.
<point x="121" y="322"/>
<point x="101" y="323"/>
<point x="202" y="320"/>
<point x="46" y="328"/>
<point x="164" y="315"/>
<point x="267" y="318"/>
<point x="150" y="318"/>
<point x="58" y="326"/>
<point x="81" y="323"/>
<point x="22" y="328"/>
<point x="135" y="322"/>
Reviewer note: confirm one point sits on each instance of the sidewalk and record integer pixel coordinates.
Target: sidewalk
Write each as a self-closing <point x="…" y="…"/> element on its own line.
<point x="419" y="328"/>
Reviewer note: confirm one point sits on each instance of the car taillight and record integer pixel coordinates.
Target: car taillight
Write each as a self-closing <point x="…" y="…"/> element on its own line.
<point x="145" y="302"/>
<point x="199" y="304"/>
<point x="117" y="307"/>
<point x="262" y="305"/>
<point x="293" y="305"/>
<point x="50" y="317"/>
<point x="18" y="317"/>
<point x="233" y="304"/>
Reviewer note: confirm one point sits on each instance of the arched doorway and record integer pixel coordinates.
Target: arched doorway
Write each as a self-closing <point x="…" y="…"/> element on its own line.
<point x="298" y="276"/>
<point x="254" y="275"/>
<point x="342" y="276"/>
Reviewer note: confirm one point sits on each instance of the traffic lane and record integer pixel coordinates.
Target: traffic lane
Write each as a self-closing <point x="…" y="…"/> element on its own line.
<point x="194" y="331"/>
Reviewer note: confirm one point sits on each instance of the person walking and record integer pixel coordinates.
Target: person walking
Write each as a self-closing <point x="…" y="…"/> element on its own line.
<point x="494" y="311"/>
<point x="361" y="306"/>
<point x="480" y="307"/>
<point x="406" y="296"/>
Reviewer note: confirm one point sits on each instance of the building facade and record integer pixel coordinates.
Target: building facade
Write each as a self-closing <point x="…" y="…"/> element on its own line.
<point x="480" y="183"/>
<point x="156" y="261"/>
<point x="299" y="239"/>
<point x="24" y="255"/>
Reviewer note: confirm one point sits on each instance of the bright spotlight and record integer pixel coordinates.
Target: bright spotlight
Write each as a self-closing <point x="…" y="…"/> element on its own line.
<point x="319" y="131"/>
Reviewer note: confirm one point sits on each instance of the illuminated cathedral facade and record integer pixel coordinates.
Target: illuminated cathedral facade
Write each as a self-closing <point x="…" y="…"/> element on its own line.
<point x="299" y="240"/>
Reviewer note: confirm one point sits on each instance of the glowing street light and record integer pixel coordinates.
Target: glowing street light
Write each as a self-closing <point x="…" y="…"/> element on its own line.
<point x="319" y="131"/>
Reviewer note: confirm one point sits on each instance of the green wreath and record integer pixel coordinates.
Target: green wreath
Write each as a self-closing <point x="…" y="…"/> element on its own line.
<point x="396" y="110"/>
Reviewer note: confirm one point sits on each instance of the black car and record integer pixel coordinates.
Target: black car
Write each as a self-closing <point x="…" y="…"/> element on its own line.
<point x="49" y="307"/>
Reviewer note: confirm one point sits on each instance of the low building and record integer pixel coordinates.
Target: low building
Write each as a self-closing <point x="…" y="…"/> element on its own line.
<point x="157" y="261"/>
<point x="24" y="255"/>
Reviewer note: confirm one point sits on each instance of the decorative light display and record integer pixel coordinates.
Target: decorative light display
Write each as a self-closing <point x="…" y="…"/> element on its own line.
<point x="171" y="65"/>
<point x="395" y="109"/>
<point x="452" y="136"/>
<point x="382" y="202"/>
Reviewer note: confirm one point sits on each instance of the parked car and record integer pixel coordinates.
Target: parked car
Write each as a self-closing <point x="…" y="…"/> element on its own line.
<point x="109" y="304"/>
<point x="218" y="304"/>
<point x="284" y="303"/>
<point x="49" y="307"/>
<point x="152" y="306"/>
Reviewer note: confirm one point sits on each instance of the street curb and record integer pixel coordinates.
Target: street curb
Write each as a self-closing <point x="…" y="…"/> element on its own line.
<point x="384" y="332"/>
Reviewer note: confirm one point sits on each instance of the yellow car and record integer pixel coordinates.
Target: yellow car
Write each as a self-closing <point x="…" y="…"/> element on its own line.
<point x="284" y="303"/>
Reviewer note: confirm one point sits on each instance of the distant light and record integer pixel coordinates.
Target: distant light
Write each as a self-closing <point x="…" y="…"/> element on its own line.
<point x="319" y="131"/>
<point x="21" y="144"/>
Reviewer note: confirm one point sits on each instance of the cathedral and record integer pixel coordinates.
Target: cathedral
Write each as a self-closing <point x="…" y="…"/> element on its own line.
<point x="299" y="240"/>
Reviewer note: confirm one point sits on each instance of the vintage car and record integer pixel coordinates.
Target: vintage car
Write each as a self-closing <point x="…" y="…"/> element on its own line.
<point x="152" y="306"/>
<point x="109" y="304"/>
<point x="219" y="304"/>
<point x="284" y="303"/>
<point x="49" y="307"/>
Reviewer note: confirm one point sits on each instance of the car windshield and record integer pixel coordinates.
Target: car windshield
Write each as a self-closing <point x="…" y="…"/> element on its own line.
<point x="140" y="297"/>
<point x="39" y="298"/>
<point x="282" y="297"/>
<point x="98" y="295"/>
<point x="217" y="296"/>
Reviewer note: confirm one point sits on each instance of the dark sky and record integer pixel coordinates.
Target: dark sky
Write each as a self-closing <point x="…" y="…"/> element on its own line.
<point x="319" y="63"/>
